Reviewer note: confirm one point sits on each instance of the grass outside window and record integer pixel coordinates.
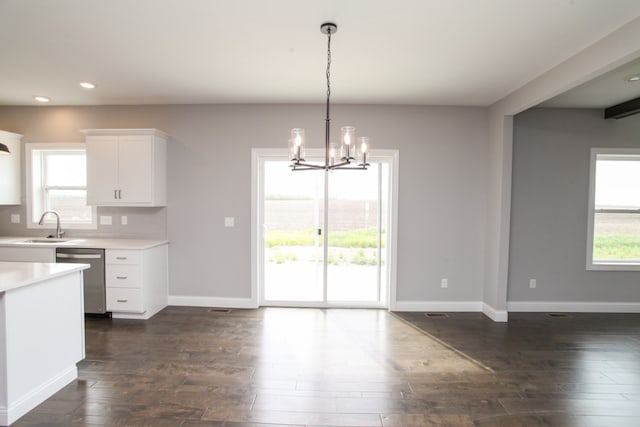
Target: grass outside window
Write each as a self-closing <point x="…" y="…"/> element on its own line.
<point x="356" y="247"/>
<point x="363" y="238"/>
<point x="616" y="247"/>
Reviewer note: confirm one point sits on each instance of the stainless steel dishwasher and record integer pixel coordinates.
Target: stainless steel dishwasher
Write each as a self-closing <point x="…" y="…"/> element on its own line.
<point x="94" y="282"/>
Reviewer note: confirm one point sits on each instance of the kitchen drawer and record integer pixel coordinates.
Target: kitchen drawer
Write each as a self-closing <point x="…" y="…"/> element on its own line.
<point x="123" y="257"/>
<point x="124" y="300"/>
<point x="123" y="276"/>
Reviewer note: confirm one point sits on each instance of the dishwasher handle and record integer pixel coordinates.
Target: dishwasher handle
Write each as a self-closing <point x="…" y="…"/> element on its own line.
<point x="79" y="256"/>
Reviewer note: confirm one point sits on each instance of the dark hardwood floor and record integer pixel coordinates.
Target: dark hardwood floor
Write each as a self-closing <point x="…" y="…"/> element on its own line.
<point x="275" y="366"/>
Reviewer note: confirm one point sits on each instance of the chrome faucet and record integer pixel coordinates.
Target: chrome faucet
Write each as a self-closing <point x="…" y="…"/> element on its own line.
<point x="59" y="231"/>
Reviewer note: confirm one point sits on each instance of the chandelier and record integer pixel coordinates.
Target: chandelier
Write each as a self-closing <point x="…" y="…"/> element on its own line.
<point x="349" y="156"/>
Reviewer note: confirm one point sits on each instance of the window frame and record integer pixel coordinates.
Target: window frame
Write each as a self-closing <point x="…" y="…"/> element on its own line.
<point x="607" y="265"/>
<point x="29" y="169"/>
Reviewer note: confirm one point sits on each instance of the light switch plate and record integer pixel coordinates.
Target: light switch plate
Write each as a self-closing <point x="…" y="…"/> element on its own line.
<point x="124" y="220"/>
<point x="15" y="218"/>
<point x="229" y="221"/>
<point x="105" y="220"/>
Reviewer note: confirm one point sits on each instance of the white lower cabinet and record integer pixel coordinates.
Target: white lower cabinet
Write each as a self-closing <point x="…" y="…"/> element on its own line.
<point x="136" y="282"/>
<point x="128" y="300"/>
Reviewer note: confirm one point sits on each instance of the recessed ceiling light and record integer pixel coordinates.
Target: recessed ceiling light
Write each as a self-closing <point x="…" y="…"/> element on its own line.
<point x="87" y="85"/>
<point x="41" y="98"/>
<point x="634" y="78"/>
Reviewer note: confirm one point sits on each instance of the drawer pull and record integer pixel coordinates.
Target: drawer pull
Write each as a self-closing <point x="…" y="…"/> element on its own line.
<point x="123" y="300"/>
<point x="121" y="277"/>
<point x="122" y="258"/>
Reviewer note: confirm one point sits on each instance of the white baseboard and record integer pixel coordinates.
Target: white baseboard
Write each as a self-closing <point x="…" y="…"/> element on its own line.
<point x="573" y="307"/>
<point x="212" y="302"/>
<point x="140" y="316"/>
<point x="495" y="315"/>
<point x="36" y="396"/>
<point x="437" y="306"/>
<point x="452" y="306"/>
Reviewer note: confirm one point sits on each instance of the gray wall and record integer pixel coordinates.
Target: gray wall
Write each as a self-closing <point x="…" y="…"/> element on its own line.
<point x="549" y="206"/>
<point x="442" y="194"/>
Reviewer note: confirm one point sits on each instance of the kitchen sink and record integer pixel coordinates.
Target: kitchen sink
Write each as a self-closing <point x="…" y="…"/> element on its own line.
<point x="44" y="240"/>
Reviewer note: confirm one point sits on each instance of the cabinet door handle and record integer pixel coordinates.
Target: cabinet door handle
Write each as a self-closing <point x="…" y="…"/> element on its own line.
<point x="123" y="300"/>
<point x="121" y="277"/>
<point x="115" y="194"/>
<point x="121" y="258"/>
<point x="119" y="194"/>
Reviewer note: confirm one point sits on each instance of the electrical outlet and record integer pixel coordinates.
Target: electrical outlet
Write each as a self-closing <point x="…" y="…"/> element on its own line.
<point x="124" y="220"/>
<point x="444" y="283"/>
<point x="532" y="283"/>
<point x="229" y="221"/>
<point x="15" y="218"/>
<point x="105" y="220"/>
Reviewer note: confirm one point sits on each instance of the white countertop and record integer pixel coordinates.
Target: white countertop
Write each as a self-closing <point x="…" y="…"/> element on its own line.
<point x="82" y="242"/>
<point x="14" y="275"/>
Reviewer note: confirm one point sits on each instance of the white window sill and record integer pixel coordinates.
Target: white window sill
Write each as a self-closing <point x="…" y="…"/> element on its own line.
<point x="615" y="266"/>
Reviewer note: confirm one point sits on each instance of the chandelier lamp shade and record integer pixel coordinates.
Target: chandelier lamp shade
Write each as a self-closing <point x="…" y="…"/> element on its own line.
<point x="351" y="154"/>
<point x="4" y="149"/>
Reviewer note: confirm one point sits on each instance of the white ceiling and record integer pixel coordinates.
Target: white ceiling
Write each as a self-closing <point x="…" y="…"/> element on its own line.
<point x="429" y="52"/>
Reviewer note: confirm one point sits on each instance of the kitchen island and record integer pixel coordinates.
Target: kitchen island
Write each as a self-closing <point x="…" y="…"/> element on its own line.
<point x="41" y="333"/>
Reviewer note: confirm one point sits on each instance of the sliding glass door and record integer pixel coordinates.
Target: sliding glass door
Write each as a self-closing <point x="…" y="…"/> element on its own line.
<point x="323" y="236"/>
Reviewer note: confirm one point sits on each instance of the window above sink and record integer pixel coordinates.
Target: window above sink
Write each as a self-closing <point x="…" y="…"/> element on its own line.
<point x="57" y="180"/>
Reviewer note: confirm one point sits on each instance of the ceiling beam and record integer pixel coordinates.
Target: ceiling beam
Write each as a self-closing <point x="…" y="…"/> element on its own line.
<point x="624" y="109"/>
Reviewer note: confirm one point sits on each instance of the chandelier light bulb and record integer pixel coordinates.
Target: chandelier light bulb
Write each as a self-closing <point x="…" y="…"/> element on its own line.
<point x="364" y="149"/>
<point x="296" y="144"/>
<point x="332" y="154"/>
<point x="348" y="135"/>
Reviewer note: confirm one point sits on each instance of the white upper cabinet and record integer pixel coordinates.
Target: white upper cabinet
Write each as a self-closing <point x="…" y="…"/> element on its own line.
<point x="10" y="176"/>
<point x="126" y="167"/>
